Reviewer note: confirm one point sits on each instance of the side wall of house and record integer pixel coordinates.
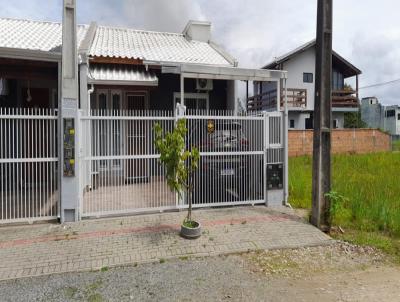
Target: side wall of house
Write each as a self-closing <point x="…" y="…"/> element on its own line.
<point x="303" y="62"/>
<point x="392" y="123"/>
<point x="339" y="117"/>
<point x="372" y="115"/>
<point x="299" y="119"/>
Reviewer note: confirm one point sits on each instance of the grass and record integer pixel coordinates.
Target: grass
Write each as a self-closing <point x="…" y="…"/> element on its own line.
<point x="70" y="292"/>
<point x="396" y="145"/>
<point x="370" y="185"/>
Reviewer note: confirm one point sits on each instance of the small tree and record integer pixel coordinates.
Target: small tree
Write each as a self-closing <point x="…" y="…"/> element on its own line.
<point x="180" y="163"/>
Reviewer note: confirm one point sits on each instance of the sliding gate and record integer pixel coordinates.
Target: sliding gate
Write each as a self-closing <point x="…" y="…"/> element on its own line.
<point x="241" y="161"/>
<point x="28" y="165"/>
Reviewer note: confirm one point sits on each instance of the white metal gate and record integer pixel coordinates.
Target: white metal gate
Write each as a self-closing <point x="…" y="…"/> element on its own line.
<point x="234" y="155"/>
<point x="28" y="165"/>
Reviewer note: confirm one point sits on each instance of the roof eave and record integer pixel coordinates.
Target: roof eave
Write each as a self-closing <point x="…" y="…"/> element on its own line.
<point x="175" y="64"/>
<point x="122" y="83"/>
<point x="344" y="61"/>
<point x="29" y="54"/>
<point x="226" y="73"/>
<point x="231" y="60"/>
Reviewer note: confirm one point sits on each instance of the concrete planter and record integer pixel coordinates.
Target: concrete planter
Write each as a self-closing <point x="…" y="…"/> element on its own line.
<point x="191" y="233"/>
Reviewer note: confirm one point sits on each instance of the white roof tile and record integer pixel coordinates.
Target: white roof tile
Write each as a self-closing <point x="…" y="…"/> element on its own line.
<point x="34" y="35"/>
<point x="121" y="75"/>
<point x="111" y="42"/>
<point x="152" y="46"/>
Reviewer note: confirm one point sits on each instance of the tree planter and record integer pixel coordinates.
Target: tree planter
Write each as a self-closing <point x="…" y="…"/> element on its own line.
<point x="191" y="232"/>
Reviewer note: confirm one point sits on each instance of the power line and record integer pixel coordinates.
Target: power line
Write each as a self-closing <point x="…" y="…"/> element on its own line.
<point x="380" y="84"/>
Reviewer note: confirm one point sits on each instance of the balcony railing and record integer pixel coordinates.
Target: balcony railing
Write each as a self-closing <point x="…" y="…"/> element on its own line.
<point x="344" y="98"/>
<point x="297" y="98"/>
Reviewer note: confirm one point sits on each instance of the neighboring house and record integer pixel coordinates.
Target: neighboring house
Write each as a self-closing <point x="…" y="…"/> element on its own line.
<point x="128" y="80"/>
<point x="376" y="115"/>
<point x="300" y="65"/>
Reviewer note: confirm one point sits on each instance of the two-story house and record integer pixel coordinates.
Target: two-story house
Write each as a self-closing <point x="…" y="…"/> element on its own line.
<point x="300" y="65"/>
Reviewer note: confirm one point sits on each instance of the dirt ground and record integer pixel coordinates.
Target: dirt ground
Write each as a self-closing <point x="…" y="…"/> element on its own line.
<point x="340" y="272"/>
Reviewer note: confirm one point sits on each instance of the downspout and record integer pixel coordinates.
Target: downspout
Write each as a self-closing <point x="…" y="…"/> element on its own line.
<point x="89" y="92"/>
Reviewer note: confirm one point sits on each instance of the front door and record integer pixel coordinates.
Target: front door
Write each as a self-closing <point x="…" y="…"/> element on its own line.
<point x="108" y="142"/>
<point x="137" y="142"/>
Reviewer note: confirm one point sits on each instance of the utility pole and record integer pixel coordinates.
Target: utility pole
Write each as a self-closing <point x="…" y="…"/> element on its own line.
<point x="321" y="182"/>
<point x="70" y="187"/>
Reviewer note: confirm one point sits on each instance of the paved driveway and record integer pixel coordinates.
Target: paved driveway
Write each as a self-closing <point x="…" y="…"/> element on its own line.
<point x="94" y="244"/>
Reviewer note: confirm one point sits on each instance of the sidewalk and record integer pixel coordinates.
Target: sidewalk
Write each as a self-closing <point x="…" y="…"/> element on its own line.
<point x="34" y="250"/>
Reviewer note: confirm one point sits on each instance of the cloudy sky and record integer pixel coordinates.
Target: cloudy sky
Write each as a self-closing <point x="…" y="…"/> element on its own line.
<point x="367" y="32"/>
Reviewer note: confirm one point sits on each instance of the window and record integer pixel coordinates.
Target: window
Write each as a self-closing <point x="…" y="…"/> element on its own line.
<point x="308" y="77"/>
<point x="337" y="80"/>
<point x="291" y="124"/>
<point x="398" y="116"/>
<point x="197" y="101"/>
<point x="335" y="124"/>
<point x="390" y="113"/>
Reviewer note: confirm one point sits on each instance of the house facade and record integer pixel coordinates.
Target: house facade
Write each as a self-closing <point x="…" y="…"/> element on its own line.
<point x="300" y="65"/>
<point x="376" y="115"/>
<point x="77" y="138"/>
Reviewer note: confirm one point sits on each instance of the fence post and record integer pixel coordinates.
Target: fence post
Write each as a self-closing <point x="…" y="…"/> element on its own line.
<point x="265" y="166"/>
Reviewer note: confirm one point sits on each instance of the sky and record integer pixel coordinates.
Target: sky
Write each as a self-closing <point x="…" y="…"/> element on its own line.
<point x="366" y="32"/>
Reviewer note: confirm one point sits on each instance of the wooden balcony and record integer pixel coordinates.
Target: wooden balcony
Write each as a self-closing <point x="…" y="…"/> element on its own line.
<point x="345" y="98"/>
<point x="297" y="99"/>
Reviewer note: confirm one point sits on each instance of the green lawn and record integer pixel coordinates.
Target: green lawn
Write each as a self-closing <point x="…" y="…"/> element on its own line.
<point x="370" y="184"/>
<point x="396" y="145"/>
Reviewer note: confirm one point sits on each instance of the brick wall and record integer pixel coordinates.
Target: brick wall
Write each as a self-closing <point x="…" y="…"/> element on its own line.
<point x="343" y="141"/>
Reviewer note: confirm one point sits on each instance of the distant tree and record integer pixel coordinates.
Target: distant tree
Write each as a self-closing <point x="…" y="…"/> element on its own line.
<point x="353" y="120"/>
<point x="348" y="87"/>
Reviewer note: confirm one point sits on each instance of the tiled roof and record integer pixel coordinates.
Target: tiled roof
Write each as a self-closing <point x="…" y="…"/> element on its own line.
<point x="152" y="46"/>
<point x="120" y="75"/>
<point x="111" y="42"/>
<point x="34" y="35"/>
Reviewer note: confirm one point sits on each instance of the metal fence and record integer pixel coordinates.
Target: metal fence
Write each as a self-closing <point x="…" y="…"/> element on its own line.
<point x="122" y="174"/>
<point x="28" y="164"/>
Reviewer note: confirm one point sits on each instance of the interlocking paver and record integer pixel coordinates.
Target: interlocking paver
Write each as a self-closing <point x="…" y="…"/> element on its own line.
<point x="91" y="244"/>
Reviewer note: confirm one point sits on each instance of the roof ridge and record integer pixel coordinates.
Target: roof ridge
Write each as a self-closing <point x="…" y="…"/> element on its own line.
<point x="140" y="30"/>
<point x="36" y="21"/>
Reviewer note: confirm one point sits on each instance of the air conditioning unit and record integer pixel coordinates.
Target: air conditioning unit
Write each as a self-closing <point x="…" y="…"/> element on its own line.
<point x="204" y="84"/>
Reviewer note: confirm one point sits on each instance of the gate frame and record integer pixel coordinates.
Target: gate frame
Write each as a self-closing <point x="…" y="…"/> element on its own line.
<point x="180" y="113"/>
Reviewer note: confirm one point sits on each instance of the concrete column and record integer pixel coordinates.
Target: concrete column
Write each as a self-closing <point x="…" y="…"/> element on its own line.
<point x="322" y="118"/>
<point x="69" y="122"/>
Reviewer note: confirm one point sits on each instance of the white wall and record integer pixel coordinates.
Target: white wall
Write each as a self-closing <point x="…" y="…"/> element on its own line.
<point x="392" y="124"/>
<point x="339" y="116"/>
<point x="296" y="66"/>
<point x="299" y="119"/>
